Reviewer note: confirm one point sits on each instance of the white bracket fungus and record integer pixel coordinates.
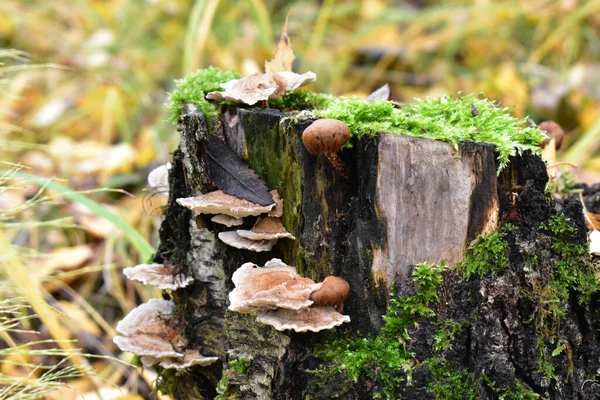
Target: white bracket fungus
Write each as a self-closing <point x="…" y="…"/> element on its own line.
<point x="158" y="179"/>
<point x="312" y="319"/>
<point x="277" y="211"/>
<point x="268" y="228"/>
<point x="276" y="285"/>
<point x="283" y="299"/>
<point x="150" y="330"/>
<point x="218" y="202"/>
<point x="233" y="239"/>
<point x="227" y="220"/>
<point x="189" y="359"/>
<point x="158" y="275"/>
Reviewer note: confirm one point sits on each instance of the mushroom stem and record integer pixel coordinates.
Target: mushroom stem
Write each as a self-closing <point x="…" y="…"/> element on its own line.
<point x="339" y="166"/>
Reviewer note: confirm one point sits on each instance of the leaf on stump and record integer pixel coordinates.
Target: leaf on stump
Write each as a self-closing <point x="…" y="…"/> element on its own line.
<point x="284" y="55"/>
<point x="233" y="176"/>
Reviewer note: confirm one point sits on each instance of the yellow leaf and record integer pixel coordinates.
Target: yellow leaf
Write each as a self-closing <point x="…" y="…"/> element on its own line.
<point x="64" y="258"/>
<point x="284" y="55"/>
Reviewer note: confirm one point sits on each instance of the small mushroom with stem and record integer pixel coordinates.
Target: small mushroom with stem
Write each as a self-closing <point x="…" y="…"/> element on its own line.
<point x="327" y="136"/>
<point x="334" y="292"/>
<point x="553" y="131"/>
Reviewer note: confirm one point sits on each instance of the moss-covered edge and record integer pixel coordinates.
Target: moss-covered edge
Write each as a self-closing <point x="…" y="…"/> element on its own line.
<point x="356" y="358"/>
<point x="450" y="119"/>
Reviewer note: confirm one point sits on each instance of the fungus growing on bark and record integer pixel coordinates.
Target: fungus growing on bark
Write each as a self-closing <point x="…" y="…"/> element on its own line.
<point x="283" y="298"/>
<point x="233" y="239"/>
<point x="158" y="275"/>
<point x="276" y="285"/>
<point x="149" y="330"/>
<point x="334" y="292"/>
<point x="312" y="319"/>
<point x="277" y="211"/>
<point x="268" y="228"/>
<point x="190" y="358"/>
<point x="218" y="202"/>
<point x="227" y="220"/>
<point x="553" y="131"/>
<point x="158" y="179"/>
<point x="327" y="136"/>
<point x="595" y="242"/>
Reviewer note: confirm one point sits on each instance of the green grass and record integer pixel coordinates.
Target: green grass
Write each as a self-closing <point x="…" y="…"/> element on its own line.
<point x="145" y="249"/>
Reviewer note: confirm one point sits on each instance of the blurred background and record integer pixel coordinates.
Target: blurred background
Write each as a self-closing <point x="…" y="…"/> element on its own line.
<point x="83" y="87"/>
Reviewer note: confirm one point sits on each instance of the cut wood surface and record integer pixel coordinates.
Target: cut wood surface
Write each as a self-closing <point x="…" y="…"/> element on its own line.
<point x="433" y="201"/>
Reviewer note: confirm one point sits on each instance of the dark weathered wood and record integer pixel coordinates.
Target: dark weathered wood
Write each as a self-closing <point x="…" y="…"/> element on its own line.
<point x="414" y="200"/>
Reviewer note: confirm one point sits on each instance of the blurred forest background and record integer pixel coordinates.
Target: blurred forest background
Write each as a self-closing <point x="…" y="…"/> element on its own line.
<point x="83" y="87"/>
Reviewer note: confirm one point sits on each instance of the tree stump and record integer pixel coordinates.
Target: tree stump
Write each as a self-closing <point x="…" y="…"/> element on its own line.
<point x="527" y="328"/>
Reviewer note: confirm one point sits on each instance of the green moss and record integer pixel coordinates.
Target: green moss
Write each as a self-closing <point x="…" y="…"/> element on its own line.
<point x="458" y="384"/>
<point x="573" y="270"/>
<point x="518" y="392"/>
<point x="240" y="366"/>
<point x="446" y="119"/>
<point x="386" y="351"/>
<point x="194" y="87"/>
<point x="225" y="391"/>
<point x="300" y="100"/>
<point x="449" y="383"/>
<point x="447" y="332"/>
<point x="489" y="254"/>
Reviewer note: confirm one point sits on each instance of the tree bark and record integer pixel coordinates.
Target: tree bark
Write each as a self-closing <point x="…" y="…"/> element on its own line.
<point x="413" y="200"/>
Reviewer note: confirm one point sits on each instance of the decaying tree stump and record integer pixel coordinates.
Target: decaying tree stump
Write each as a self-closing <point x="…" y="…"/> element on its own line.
<point x="414" y="200"/>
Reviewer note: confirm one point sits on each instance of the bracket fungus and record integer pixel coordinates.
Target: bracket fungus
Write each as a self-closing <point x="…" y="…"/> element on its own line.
<point x="268" y="228"/>
<point x="327" y="136"/>
<point x="150" y="330"/>
<point x="190" y="358"/>
<point x="158" y="179"/>
<point x="276" y="285"/>
<point x="312" y="319"/>
<point x="158" y="275"/>
<point x="283" y="299"/>
<point x="277" y="211"/>
<point x="233" y="239"/>
<point x="227" y="220"/>
<point x="334" y="292"/>
<point x="218" y="202"/>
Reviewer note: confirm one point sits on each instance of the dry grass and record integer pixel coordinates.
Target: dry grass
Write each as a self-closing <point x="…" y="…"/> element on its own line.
<point x="82" y="102"/>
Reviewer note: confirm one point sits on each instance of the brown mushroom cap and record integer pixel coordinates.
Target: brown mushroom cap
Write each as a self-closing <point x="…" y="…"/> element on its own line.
<point x="334" y="292"/>
<point x="553" y="131"/>
<point x="325" y="136"/>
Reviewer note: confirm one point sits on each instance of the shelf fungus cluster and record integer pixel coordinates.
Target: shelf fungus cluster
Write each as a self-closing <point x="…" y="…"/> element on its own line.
<point x="287" y="301"/>
<point x="151" y="331"/>
<point x="230" y="211"/>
